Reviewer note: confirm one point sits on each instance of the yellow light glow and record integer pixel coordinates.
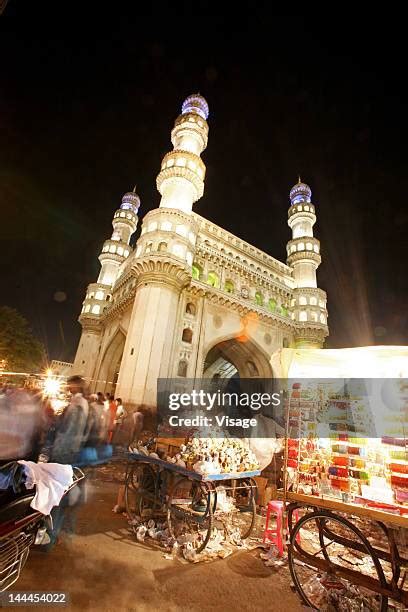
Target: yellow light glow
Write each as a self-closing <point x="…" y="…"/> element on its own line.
<point x="51" y="386"/>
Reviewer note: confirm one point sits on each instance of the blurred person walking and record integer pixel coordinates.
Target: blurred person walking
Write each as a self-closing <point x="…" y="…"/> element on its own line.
<point x="121" y="432"/>
<point x="112" y="415"/>
<point x="70" y="436"/>
<point x="71" y="426"/>
<point x="22" y="424"/>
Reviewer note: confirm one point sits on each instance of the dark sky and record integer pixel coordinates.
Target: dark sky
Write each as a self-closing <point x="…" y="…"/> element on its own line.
<point x="86" y="113"/>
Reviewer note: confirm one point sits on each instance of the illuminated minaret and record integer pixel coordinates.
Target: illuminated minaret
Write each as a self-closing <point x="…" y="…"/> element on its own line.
<point x="117" y="249"/>
<point x="114" y="252"/>
<point x="181" y="179"/>
<point x="162" y="264"/>
<point x="308" y="306"/>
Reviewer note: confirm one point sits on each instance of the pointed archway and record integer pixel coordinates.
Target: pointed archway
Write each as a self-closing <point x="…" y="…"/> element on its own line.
<point x="237" y="357"/>
<point x="110" y="364"/>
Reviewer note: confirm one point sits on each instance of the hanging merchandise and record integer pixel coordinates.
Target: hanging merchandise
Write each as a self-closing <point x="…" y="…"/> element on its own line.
<point x="347" y="463"/>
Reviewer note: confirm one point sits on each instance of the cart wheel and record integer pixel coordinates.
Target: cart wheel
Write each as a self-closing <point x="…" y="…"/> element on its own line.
<point x="189" y="512"/>
<point x="140" y="491"/>
<point x="244" y="515"/>
<point x="330" y="559"/>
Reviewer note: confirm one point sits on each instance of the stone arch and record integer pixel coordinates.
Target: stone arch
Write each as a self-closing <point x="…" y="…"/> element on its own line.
<point x="110" y="363"/>
<point x="213" y="279"/>
<point x="187" y="335"/>
<point x="229" y="286"/>
<point x="191" y="308"/>
<point x="248" y="359"/>
<point x="197" y="271"/>
<point x="182" y="368"/>
<point x="259" y="298"/>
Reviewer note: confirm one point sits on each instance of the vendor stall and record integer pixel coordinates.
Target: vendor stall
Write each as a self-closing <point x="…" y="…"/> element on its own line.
<point x="196" y="485"/>
<point x="346" y="476"/>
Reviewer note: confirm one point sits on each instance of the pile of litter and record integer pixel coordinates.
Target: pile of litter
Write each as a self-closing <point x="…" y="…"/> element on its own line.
<point x="221" y="544"/>
<point x="271" y="557"/>
<point x="335" y="594"/>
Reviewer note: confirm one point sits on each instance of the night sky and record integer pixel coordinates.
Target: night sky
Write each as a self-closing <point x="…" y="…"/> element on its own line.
<point x="84" y="115"/>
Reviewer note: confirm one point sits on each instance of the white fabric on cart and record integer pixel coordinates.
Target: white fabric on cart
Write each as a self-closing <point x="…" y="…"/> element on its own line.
<point x="51" y="481"/>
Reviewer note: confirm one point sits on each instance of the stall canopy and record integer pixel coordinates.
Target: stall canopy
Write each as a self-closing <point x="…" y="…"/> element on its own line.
<point x="360" y="362"/>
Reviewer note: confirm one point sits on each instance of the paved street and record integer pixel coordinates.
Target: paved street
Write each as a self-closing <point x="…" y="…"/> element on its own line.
<point x="104" y="568"/>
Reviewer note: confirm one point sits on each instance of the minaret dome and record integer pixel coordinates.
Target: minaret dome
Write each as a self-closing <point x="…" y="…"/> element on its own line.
<point x="131" y="201"/>
<point x="195" y="104"/>
<point x="300" y="193"/>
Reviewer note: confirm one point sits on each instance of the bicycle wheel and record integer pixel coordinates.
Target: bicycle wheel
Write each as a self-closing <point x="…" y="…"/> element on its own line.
<point x="140" y="492"/>
<point x="243" y="514"/>
<point x="331" y="560"/>
<point x="190" y="513"/>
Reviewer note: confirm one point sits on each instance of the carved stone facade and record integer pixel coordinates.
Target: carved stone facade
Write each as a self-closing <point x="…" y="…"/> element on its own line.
<point x="191" y="299"/>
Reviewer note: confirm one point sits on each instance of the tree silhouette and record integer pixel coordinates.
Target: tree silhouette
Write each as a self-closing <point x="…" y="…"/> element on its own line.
<point x="19" y="349"/>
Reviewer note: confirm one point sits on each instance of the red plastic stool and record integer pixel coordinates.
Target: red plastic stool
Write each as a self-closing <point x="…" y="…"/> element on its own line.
<point x="274" y="535"/>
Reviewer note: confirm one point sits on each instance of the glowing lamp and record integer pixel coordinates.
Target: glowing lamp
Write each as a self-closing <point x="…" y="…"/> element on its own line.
<point x="51" y="386"/>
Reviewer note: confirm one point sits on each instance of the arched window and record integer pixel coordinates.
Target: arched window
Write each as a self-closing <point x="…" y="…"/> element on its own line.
<point x="272" y="305"/>
<point x="196" y="271"/>
<point x="229" y="286"/>
<point x="187" y="335"/>
<point x="213" y="279"/>
<point x="149" y="247"/>
<point x="162" y="247"/>
<point x="259" y="298"/>
<point x="191" y="308"/>
<point x="253" y="370"/>
<point x="284" y="310"/>
<point x="182" y="368"/>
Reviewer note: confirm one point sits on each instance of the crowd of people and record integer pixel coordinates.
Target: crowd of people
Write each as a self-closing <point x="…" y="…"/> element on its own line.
<point x="30" y="429"/>
<point x="86" y="431"/>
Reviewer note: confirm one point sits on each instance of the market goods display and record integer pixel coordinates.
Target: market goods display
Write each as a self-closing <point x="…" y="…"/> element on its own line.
<point x="218" y="456"/>
<point x="209" y="455"/>
<point x="347" y="463"/>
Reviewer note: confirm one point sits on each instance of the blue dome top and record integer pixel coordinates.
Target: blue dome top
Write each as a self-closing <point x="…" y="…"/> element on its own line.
<point x="300" y="193"/>
<point x="130" y="201"/>
<point x="195" y="104"/>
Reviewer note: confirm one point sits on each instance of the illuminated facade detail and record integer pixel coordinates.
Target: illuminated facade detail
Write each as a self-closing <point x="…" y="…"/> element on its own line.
<point x="192" y="299"/>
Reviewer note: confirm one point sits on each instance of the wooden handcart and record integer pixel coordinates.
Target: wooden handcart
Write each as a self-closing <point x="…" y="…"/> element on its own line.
<point x="335" y="544"/>
<point x="190" y="502"/>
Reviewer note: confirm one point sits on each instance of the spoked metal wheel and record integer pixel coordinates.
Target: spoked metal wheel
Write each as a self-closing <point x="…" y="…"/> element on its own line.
<point x="331" y="560"/>
<point x="243" y="513"/>
<point x="141" y="497"/>
<point x="190" y="512"/>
